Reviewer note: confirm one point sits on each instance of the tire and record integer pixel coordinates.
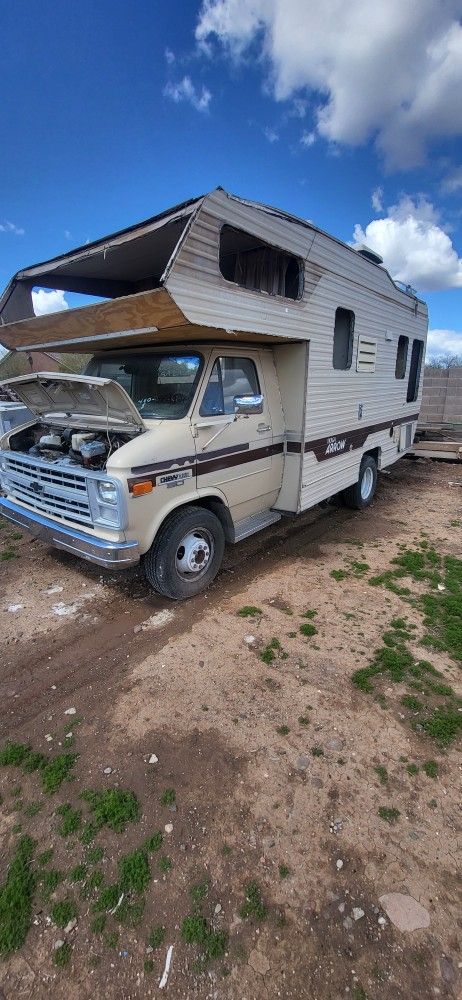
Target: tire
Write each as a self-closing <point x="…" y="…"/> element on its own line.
<point x="361" y="494"/>
<point x="186" y="555"/>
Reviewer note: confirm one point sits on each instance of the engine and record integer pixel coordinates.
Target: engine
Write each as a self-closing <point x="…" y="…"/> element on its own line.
<point x="89" y="449"/>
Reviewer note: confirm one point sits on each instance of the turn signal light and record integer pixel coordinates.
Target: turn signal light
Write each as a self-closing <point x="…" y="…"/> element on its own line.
<point x="139" y="489"/>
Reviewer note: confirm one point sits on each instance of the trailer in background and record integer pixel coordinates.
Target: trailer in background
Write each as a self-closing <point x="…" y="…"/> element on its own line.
<point x="439" y="430"/>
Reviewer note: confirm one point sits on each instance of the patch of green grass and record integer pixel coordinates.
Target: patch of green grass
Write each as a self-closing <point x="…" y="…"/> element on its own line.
<point x="56" y="771"/>
<point x="303" y="720"/>
<point x="156" y="937"/>
<point x="254" y="906"/>
<point x="308" y="629"/>
<point x="444" y="725"/>
<point x="89" y="832"/>
<point x="382" y="774"/>
<point x="164" y="864"/>
<point x="430" y="767"/>
<point x="45" y="857"/>
<point x="168" y="797"/>
<point x="317" y="751"/>
<point x="71" y="819"/>
<point x="409" y="701"/>
<point x="359" y="568"/>
<point x="272" y="651"/>
<point x="389" y="814"/>
<point x="16" y="898"/>
<point x="154" y="843"/>
<point x="20" y="755"/>
<point x="283" y="730"/>
<point x="98" y="923"/>
<point x="107" y="899"/>
<point x="338" y="574"/>
<point x="249" y="611"/>
<point x="8" y="554"/>
<point x="284" y="871"/>
<point x="196" y="930"/>
<point x="130" y="913"/>
<point x="309" y="614"/>
<point x="111" y="939"/>
<point x="199" y="891"/>
<point x="49" y="882"/>
<point x="64" y="911"/>
<point x="148" y="966"/>
<point x="114" y="807"/>
<point x="78" y="873"/>
<point x="95" y="855"/>
<point x="359" y="993"/>
<point x="134" y="871"/>
<point x="62" y="955"/>
<point x="412" y="769"/>
<point x="32" y="809"/>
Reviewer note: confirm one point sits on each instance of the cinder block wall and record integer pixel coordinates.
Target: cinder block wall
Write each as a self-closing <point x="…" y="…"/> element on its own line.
<point x="442" y="397"/>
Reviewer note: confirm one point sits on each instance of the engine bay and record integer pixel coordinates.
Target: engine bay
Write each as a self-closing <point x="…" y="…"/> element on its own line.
<point x="66" y="446"/>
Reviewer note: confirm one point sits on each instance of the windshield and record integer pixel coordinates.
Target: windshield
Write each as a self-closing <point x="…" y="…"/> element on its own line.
<point x="161" y="386"/>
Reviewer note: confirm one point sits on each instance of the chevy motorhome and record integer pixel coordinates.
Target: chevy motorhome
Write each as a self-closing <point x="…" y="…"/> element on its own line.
<point x="244" y="367"/>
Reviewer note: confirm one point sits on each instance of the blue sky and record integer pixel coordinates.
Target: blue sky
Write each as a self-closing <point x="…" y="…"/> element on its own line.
<point x="348" y="114"/>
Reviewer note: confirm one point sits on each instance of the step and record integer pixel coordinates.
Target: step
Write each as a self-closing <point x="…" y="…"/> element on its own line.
<point x="256" y="522"/>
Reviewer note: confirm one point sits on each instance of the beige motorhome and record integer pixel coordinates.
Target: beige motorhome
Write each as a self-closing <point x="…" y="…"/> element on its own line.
<point x="244" y="366"/>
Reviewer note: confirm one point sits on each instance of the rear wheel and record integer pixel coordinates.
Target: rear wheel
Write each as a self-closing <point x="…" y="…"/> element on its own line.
<point x="187" y="553"/>
<point x="361" y="493"/>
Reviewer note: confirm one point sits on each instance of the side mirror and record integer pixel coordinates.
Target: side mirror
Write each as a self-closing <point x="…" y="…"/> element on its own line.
<point x="245" y="405"/>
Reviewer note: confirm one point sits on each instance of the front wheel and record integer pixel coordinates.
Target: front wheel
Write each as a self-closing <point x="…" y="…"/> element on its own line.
<point x="360" y="495"/>
<point x="186" y="555"/>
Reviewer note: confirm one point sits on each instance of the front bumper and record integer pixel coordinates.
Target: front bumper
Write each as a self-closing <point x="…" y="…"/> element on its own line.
<point x="116" y="555"/>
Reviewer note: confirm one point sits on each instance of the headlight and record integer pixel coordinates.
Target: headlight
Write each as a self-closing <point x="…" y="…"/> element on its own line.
<point x="107" y="492"/>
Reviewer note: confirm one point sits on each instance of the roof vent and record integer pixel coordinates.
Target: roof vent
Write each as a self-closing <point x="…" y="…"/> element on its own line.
<point x="369" y="254"/>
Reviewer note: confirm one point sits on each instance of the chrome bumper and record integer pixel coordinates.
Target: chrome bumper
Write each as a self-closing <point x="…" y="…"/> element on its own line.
<point x="116" y="555"/>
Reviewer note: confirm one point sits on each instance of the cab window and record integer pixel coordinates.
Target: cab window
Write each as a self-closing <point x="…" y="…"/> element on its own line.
<point x="230" y="377"/>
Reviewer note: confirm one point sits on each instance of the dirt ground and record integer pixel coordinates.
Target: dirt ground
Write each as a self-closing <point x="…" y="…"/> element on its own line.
<point x="272" y="762"/>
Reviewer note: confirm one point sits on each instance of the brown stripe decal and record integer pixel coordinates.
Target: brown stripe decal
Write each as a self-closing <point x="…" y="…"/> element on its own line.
<point x="225" y="458"/>
<point x="339" y="444"/>
<point x="186" y="461"/>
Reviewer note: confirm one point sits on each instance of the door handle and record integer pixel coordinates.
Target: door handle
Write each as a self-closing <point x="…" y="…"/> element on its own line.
<point x="263" y="428"/>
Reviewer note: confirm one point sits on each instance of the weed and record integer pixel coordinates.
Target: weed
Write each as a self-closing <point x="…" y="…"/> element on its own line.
<point x="409" y="701"/>
<point x="308" y="629"/>
<point x="283" y="730"/>
<point x="168" y="797"/>
<point x="134" y="871"/>
<point x="271" y="651"/>
<point x="455" y="524"/>
<point x="359" y="993"/>
<point x="107" y="899"/>
<point x="254" y="905"/>
<point x="431" y="768"/>
<point x="148" y="965"/>
<point x="154" y="843"/>
<point x="249" y="611"/>
<point x="303" y="720"/>
<point x="412" y="769"/>
<point x="62" y="955"/>
<point x="64" y="911"/>
<point x="389" y="814"/>
<point x="130" y="914"/>
<point x="382" y="774"/>
<point x="338" y="574"/>
<point x="95" y="855"/>
<point x="226" y="850"/>
<point x="32" y="809"/>
<point x="78" y="873"/>
<point x="317" y="752"/>
<point x="443" y="725"/>
<point x="284" y="871"/>
<point x="111" y="939"/>
<point x="272" y="684"/>
<point x="8" y="554"/>
<point x="98" y="923"/>
<point x="16" y="896"/>
<point x="359" y="568"/>
<point x="309" y="614"/>
<point x="56" y="770"/>
<point x="199" y="891"/>
<point x="45" y="857"/>
<point x="89" y="832"/>
<point x="114" y="808"/>
<point x="156" y="937"/>
<point x="196" y="930"/>
<point x="50" y="881"/>
<point x="164" y="864"/>
<point x="71" y="819"/>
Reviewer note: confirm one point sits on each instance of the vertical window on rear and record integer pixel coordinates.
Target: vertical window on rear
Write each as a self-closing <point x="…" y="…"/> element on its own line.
<point x="414" y="371"/>
<point x="401" y="357"/>
<point x="343" y="338"/>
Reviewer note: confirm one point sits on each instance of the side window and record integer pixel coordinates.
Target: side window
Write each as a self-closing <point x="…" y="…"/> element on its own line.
<point x="343" y="338"/>
<point x="251" y="263"/>
<point x="230" y="377"/>
<point x="414" y="371"/>
<point x="401" y="357"/>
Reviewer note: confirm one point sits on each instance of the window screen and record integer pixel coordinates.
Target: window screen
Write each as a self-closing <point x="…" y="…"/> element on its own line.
<point x="251" y="263"/>
<point x="401" y="357"/>
<point x="230" y="377"/>
<point x="414" y="371"/>
<point x="343" y="338"/>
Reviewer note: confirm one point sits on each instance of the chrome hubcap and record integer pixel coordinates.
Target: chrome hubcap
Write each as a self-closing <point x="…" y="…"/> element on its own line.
<point x="194" y="552"/>
<point x="367" y="483"/>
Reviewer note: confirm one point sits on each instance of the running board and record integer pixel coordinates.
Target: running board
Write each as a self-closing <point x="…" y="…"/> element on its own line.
<point x="256" y="522"/>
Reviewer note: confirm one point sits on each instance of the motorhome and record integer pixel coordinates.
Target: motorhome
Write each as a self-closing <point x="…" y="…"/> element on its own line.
<point x="244" y="366"/>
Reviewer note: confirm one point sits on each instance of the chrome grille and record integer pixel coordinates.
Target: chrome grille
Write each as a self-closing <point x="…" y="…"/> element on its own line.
<point x="47" y="488"/>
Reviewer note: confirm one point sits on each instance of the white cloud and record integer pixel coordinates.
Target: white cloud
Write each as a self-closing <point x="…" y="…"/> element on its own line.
<point x="377" y="199"/>
<point x="186" y="91"/>
<point x="414" y="245"/>
<point x="307" y="139"/>
<point x="169" y="56"/>
<point x="389" y="70"/>
<point x="444" y="342"/>
<point x="45" y="302"/>
<point x="271" y="134"/>
<point x="452" y="183"/>
<point x="9" y="227"/>
<point x="67" y="234"/>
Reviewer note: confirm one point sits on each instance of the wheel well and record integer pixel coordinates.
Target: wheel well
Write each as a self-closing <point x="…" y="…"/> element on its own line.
<point x="375" y="453"/>
<point x="221" y="511"/>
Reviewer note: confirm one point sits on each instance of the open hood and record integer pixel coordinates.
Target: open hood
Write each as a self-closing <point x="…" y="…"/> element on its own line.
<point x="78" y="400"/>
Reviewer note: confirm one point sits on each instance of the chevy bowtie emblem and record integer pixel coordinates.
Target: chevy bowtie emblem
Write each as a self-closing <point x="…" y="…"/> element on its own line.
<point x="36" y="487"/>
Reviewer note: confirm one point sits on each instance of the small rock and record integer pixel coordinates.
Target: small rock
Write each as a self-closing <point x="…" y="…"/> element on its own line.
<point x="303" y="762"/>
<point x="107" y="770"/>
<point x="336" y="745"/>
<point x="317" y="782"/>
<point x="69" y="736"/>
<point x="339" y="864"/>
<point x="382" y="922"/>
<point x="348" y="923"/>
<point x="70" y="711"/>
<point x="168" y="827"/>
<point x="153" y="759"/>
<point x="341" y="908"/>
<point x="249" y="640"/>
<point x="218" y="908"/>
<point x="48" y="737"/>
<point x="58" y="944"/>
<point x="173" y="808"/>
<point x="70" y="926"/>
<point x="358" y="913"/>
<point x="404" y="911"/>
<point x="13" y="608"/>
<point x="447" y="969"/>
<point x="149" y="949"/>
<point x="259" y="962"/>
